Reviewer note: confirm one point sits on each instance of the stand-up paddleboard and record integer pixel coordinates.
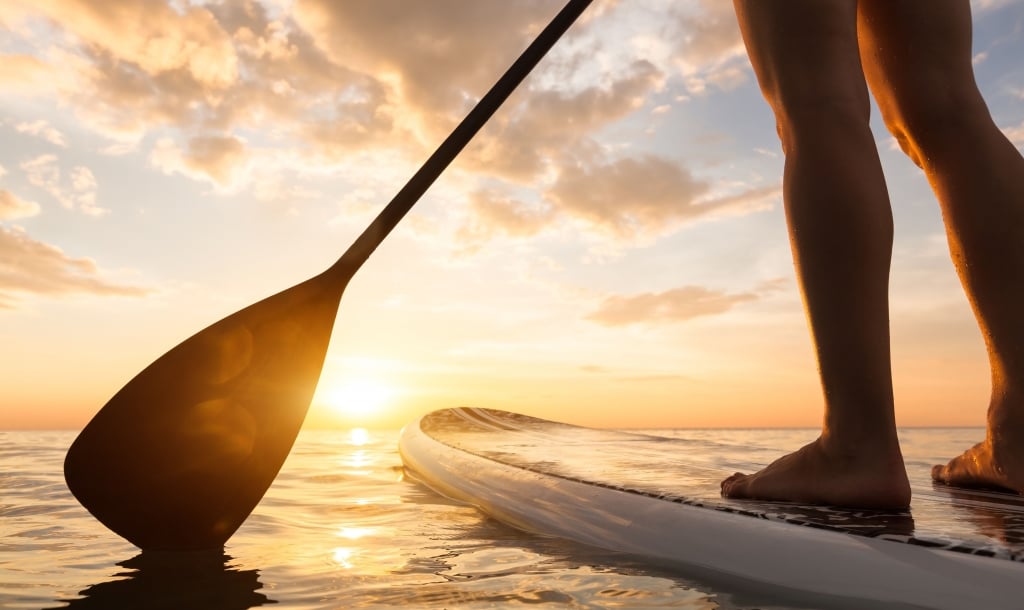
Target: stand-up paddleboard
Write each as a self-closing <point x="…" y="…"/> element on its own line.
<point x="649" y="496"/>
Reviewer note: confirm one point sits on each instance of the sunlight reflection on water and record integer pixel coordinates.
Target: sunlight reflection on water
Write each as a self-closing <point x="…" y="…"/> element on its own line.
<point x="342" y="528"/>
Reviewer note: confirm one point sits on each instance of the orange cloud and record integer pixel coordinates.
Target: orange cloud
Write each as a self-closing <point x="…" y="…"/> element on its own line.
<point x="676" y="305"/>
<point x="552" y="126"/>
<point x="708" y="35"/>
<point x="355" y="122"/>
<point x="44" y="130"/>
<point x="435" y="52"/>
<point x="32" y="267"/>
<point x="709" y="49"/>
<point x="217" y="159"/>
<point x="491" y="214"/>
<point x="628" y="201"/>
<point x="11" y="206"/>
<point x="202" y="71"/>
<point x="152" y="35"/>
<point x="1015" y="134"/>
<point x="287" y="77"/>
<point x="331" y="80"/>
<point x="630" y="197"/>
<point x="77" y="192"/>
<point x="25" y="75"/>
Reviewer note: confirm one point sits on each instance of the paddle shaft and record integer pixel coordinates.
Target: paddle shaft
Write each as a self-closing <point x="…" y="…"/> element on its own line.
<point x="403" y="201"/>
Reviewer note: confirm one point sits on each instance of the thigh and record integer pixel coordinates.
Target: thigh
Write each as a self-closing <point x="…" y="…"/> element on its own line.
<point x="804" y="52"/>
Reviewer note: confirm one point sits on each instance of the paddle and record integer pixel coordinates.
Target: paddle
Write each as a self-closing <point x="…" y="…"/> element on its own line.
<point x="182" y="454"/>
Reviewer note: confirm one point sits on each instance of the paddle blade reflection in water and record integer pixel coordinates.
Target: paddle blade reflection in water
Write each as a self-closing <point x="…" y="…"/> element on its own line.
<point x="201" y="580"/>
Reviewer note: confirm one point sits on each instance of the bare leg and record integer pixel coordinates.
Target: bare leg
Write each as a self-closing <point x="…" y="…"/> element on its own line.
<point x="917" y="57"/>
<point x="806" y="57"/>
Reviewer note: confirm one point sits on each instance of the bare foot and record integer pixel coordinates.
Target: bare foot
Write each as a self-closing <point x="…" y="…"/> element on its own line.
<point x="816" y="475"/>
<point x="987" y="464"/>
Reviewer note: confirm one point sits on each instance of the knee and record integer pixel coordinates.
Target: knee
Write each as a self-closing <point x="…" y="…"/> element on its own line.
<point x="934" y="122"/>
<point x="821" y="119"/>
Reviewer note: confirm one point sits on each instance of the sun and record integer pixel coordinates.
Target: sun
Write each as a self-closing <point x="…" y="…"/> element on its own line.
<point x="358" y="398"/>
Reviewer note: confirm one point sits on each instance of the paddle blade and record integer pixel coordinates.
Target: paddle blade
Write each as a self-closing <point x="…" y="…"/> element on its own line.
<point x="182" y="454"/>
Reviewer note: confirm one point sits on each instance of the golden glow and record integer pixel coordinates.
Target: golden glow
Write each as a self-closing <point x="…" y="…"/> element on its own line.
<point x="358" y="436"/>
<point x="450" y="312"/>
<point x="343" y="557"/>
<point x="358" y="399"/>
<point x="357" y="463"/>
<point x="355" y="533"/>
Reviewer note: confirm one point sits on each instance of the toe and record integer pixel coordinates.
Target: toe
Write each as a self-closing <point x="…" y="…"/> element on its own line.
<point x="731" y="486"/>
<point x="731" y="479"/>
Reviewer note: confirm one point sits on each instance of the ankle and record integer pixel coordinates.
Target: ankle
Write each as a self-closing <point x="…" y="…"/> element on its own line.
<point x="861" y="442"/>
<point x="1006" y="415"/>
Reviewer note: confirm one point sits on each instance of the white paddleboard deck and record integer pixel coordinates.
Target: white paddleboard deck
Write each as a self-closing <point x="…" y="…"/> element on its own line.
<point x="650" y="496"/>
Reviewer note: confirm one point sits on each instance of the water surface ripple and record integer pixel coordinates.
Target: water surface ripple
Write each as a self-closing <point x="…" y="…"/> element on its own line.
<point x="343" y="528"/>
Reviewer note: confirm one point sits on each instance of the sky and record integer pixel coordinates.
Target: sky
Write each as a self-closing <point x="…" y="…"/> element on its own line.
<point x="609" y="251"/>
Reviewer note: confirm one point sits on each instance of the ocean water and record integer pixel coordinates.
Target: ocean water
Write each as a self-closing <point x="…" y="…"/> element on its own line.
<point x="342" y="527"/>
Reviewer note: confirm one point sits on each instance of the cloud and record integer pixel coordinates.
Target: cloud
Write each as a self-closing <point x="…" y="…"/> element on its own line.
<point x="223" y="161"/>
<point x="1015" y="134"/>
<point x="709" y="34"/>
<point x="42" y="129"/>
<point x="25" y="75"/>
<point x="358" y="121"/>
<point x="123" y="101"/>
<point x="630" y="200"/>
<point x="430" y="62"/>
<point x="152" y="36"/>
<point x="710" y="50"/>
<point x="988" y="5"/>
<point x="147" y="63"/>
<point x="326" y="79"/>
<point x="12" y="207"/>
<point x="285" y="193"/>
<point x="127" y="67"/>
<point x="79" y="192"/>
<point x="288" y="77"/>
<point x="433" y="52"/>
<point x="32" y="267"/>
<point x="520" y="144"/>
<point x="630" y="197"/>
<point x="676" y="305"/>
<point x="333" y="80"/>
<point x="492" y="214"/>
<point x="200" y="71"/>
<point x="750" y="200"/>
